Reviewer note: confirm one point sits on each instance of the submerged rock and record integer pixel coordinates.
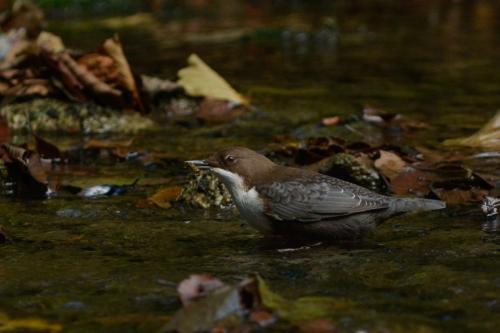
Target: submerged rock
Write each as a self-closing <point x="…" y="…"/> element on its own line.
<point x="47" y="114"/>
<point x="348" y="167"/>
<point x="204" y="190"/>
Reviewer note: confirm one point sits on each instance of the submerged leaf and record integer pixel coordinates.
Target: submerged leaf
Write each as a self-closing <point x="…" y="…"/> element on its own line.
<point x="199" y="80"/>
<point x="27" y="325"/>
<point x="487" y="137"/>
<point x="164" y="197"/>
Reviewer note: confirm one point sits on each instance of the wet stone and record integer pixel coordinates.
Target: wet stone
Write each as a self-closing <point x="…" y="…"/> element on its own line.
<point x="204" y="190"/>
<point x="47" y="114"/>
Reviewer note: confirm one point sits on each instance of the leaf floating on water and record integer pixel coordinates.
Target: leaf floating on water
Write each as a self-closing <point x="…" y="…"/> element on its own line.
<point x="164" y="197"/>
<point x="330" y="121"/>
<point x="413" y="182"/>
<point x="246" y="306"/>
<point x="318" y="326"/>
<point x="46" y="149"/>
<point x="487" y="137"/>
<point x="27" y="325"/>
<point x="26" y="171"/>
<point x="390" y="164"/>
<point x="199" y="80"/>
<point x="218" y="111"/>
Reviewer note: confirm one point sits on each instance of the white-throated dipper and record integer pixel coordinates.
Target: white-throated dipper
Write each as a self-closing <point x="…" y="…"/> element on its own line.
<point x="277" y="199"/>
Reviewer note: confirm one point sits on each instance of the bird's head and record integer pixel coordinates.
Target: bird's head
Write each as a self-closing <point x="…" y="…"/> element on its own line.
<point x="236" y="166"/>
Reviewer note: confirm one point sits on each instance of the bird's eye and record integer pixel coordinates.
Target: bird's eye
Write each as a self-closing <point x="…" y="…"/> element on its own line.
<point x="230" y="158"/>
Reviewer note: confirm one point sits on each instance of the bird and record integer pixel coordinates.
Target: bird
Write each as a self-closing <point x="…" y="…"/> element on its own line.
<point x="277" y="199"/>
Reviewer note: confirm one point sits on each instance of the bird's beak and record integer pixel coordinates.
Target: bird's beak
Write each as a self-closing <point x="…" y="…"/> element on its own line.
<point x="201" y="164"/>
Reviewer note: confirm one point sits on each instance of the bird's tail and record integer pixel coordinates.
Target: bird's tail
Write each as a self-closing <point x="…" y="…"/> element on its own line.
<point x="403" y="205"/>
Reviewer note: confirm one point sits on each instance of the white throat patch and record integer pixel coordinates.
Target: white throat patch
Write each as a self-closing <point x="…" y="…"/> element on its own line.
<point x="246" y="200"/>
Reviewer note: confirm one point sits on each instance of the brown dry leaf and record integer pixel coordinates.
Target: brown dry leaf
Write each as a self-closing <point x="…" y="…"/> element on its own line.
<point x="101" y="90"/>
<point x="4" y="131"/>
<point x="102" y="66"/>
<point x="390" y="164"/>
<point x="199" y="80"/>
<point x="26" y="15"/>
<point x="25" y="169"/>
<point x="218" y="111"/>
<point x="46" y="149"/>
<point x="263" y="318"/>
<point x="330" y="121"/>
<point x="107" y="144"/>
<point x="163" y="198"/>
<point x="412" y="182"/>
<point x="318" y="326"/>
<point x="30" y="87"/>
<point x="113" y="48"/>
<point x="460" y="196"/>
<point x="487" y="137"/>
<point x="197" y="286"/>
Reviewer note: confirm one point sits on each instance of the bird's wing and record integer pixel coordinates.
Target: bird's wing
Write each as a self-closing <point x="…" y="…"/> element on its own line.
<point x="318" y="198"/>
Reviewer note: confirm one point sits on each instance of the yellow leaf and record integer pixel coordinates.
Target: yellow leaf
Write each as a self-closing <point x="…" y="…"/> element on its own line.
<point x="50" y="42"/>
<point x="487" y="137"/>
<point x="199" y="80"/>
<point x="27" y="324"/>
<point x="164" y="197"/>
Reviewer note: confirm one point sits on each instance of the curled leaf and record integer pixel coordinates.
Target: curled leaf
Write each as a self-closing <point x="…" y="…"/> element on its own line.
<point x="199" y="80"/>
<point x="113" y="48"/>
<point x="487" y="137"/>
<point x="25" y="169"/>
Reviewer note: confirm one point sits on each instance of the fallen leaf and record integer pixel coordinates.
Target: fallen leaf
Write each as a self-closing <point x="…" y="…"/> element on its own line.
<point x="218" y="111"/>
<point x="107" y="144"/>
<point x="50" y="42"/>
<point x="113" y="48"/>
<point x="46" y="149"/>
<point x="4" y="131"/>
<point x="199" y="80"/>
<point x="163" y="198"/>
<point x="390" y="164"/>
<point x="318" y="326"/>
<point x="487" y="137"/>
<point x="23" y="14"/>
<point x="25" y="169"/>
<point x="197" y="286"/>
<point x="330" y="121"/>
<point x="458" y="196"/>
<point x="27" y="325"/>
<point x="102" y="66"/>
<point x="413" y="182"/>
<point x="263" y="318"/>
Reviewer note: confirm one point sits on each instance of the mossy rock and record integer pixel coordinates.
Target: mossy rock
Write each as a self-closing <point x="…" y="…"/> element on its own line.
<point x="45" y="115"/>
